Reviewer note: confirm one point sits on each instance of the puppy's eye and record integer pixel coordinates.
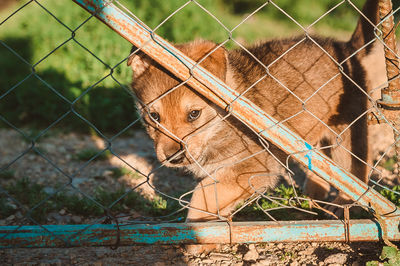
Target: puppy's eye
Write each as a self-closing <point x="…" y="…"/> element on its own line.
<point x="155" y="116"/>
<point x="193" y="115"/>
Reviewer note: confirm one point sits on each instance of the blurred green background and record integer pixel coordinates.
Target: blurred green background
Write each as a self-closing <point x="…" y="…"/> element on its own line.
<point x="41" y="34"/>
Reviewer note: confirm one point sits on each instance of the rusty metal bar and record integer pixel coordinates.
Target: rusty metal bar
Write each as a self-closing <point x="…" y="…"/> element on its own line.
<point x="390" y="99"/>
<point x="187" y="233"/>
<point x="391" y="59"/>
<point x="218" y="92"/>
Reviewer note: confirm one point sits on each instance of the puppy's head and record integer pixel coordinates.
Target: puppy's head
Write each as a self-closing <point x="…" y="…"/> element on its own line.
<point x="181" y="122"/>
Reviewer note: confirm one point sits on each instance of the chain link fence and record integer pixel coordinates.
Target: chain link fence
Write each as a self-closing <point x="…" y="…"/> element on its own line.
<point x="254" y="132"/>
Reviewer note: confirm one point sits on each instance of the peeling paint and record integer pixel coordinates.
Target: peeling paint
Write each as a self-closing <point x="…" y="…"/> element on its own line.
<point x="211" y="232"/>
<point x="309" y="155"/>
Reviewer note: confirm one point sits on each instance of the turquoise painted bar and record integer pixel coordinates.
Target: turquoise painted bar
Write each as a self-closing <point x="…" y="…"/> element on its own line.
<point x="187" y="233"/>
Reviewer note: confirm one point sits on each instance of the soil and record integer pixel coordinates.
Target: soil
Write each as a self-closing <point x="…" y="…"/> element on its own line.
<point x="313" y="253"/>
<point x="135" y="149"/>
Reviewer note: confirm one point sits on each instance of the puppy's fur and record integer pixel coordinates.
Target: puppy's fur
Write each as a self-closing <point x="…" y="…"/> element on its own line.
<point x="304" y="89"/>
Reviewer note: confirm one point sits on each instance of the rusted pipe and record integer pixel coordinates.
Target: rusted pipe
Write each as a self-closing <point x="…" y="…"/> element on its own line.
<point x="390" y="96"/>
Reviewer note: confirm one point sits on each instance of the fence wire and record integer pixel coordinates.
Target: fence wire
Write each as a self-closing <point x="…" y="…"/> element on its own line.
<point x="48" y="177"/>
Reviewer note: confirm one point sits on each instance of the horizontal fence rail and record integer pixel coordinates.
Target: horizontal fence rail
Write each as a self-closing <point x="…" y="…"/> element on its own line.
<point x="114" y="229"/>
<point x="189" y="233"/>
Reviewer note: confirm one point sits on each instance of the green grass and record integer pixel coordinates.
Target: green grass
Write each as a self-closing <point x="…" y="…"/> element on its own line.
<point x="389" y="163"/>
<point x="118" y="172"/>
<point x="393" y="195"/>
<point x="255" y="212"/>
<point x="65" y="72"/>
<point x="87" y="154"/>
<point x="30" y="194"/>
<point x="70" y="70"/>
<point x="7" y="174"/>
<point x="390" y="256"/>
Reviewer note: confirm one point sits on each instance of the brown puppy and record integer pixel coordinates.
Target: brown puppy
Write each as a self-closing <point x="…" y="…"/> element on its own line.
<point x="311" y="85"/>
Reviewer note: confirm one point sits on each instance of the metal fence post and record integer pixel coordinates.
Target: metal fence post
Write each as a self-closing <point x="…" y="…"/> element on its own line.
<point x="390" y="99"/>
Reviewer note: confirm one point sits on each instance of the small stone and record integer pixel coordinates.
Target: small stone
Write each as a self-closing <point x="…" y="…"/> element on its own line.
<point x="159" y="263"/>
<point x="270" y="260"/>
<point x="251" y="255"/>
<point x="294" y="263"/>
<point x="62" y="212"/>
<point x="220" y="256"/>
<point x="307" y="252"/>
<point x="49" y="190"/>
<point x="12" y="205"/>
<point x="108" y="173"/>
<point x="280" y="245"/>
<point x="100" y="253"/>
<point x="78" y="180"/>
<point x="76" y="219"/>
<point x="314" y="244"/>
<point x="252" y="246"/>
<point x="61" y="149"/>
<point x="10" y="218"/>
<point x="54" y="216"/>
<point x="19" y="215"/>
<point x="339" y="258"/>
<point x="209" y="261"/>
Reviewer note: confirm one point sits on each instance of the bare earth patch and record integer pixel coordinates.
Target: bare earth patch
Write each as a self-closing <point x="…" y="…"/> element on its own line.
<point x="254" y="254"/>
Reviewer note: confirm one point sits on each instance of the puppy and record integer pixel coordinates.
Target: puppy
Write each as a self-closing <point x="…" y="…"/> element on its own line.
<point x="312" y="85"/>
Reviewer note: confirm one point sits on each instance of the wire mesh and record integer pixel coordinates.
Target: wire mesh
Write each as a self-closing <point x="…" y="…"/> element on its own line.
<point x="54" y="175"/>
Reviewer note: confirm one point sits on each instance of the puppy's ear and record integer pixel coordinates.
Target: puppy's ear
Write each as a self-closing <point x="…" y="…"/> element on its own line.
<point x="139" y="62"/>
<point x="215" y="59"/>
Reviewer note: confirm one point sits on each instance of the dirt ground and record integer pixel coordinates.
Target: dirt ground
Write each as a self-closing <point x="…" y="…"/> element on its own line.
<point x="259" y="254"/>
<point x="136" y="149"/>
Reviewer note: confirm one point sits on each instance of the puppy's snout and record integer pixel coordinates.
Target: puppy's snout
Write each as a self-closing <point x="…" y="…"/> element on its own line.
<point x="171" y="152"/>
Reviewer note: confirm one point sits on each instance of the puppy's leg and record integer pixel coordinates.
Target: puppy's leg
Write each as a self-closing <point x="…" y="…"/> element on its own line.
<point x="334" y="147"/>
<point x="344" y="159"/>
<point x="213" y="199"/>
<point x="352" y="155"/>
<point x="315" y="187"/>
